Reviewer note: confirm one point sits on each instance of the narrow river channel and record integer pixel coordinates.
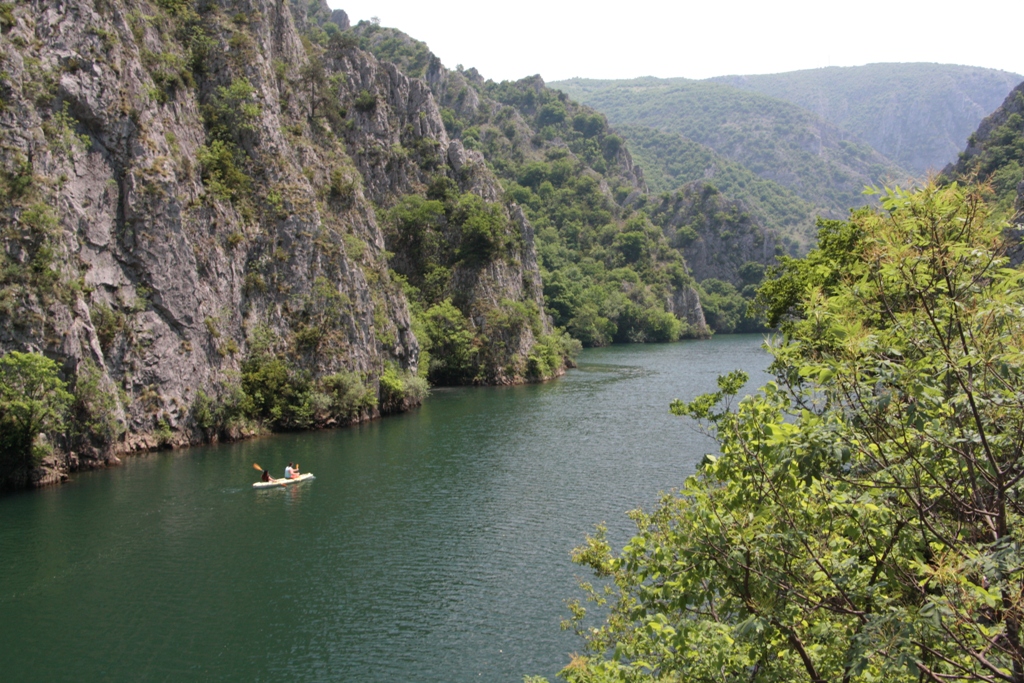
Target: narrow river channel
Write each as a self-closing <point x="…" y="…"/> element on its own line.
<point x="432" y="547"/>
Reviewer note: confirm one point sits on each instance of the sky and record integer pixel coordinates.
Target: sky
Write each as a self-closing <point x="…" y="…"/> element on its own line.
<point x="558" y="40"/>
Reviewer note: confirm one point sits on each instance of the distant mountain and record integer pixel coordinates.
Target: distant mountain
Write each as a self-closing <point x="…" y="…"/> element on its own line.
<point x="918" y="115"/>
<point x="779" y="141"/>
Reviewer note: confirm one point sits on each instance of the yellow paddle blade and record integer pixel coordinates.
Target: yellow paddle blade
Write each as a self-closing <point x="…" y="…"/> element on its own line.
<point x="257" y="467"/>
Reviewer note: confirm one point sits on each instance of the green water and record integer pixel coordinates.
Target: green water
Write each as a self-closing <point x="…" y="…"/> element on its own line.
<point x="432" y="546"/>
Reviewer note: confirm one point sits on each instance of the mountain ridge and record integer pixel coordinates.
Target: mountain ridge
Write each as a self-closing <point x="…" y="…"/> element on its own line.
<point x="918" y="114"/>
<point x="777" y="140"/>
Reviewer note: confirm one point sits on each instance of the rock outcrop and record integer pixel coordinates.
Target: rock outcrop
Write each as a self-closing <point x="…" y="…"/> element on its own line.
<point x="717" y="235"/>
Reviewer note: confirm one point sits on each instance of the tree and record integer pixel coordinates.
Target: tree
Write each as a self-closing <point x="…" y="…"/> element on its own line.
<point x="33" y="400"/>
<point x="314" y="76"/>
<point x="862" y="521"/>
<point x="454" y="349"/>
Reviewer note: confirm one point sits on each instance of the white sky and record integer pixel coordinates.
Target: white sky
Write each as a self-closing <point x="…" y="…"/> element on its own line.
<point x="510" y="39"/>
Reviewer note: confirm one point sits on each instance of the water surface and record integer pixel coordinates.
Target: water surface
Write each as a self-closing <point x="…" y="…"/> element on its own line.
<point x="432" y="546"/>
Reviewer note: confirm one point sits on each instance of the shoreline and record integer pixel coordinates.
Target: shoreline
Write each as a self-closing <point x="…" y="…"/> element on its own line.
<point x="55" y="470"/>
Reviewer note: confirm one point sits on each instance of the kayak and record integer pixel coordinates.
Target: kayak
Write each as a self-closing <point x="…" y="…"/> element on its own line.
<point x="281" y="483"/>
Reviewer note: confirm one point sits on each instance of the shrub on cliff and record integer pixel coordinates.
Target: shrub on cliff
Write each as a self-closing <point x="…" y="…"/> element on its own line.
<point x="221" y="173"/>
<point x="446" y="228"/>
<point x="400" y="389"/>
<point x="95" y="407"/>
<point x="727" y="309"/>
<point x="454" y="358"/>
<point x="550" y="353"/>
<point x="348" y="394"/>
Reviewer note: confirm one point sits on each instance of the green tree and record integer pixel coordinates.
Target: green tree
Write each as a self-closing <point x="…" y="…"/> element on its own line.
<point x="450" y="343"/>
<point x="314" y="77"/>
<point x="33" y="400"/>
<point x="232" y="111"/>
<point x="862" y="520"/>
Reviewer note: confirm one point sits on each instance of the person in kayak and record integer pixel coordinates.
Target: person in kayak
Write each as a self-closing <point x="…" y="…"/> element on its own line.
<point x="292" y="471"/>
<point x="266" y="476"/>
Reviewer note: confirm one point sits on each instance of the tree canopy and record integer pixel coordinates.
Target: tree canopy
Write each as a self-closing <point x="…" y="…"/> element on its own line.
<point x="862" y="520"/>
<point x="33" y="400"/>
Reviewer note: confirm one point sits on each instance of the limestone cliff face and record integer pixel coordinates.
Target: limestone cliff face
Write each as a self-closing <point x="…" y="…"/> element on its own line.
<point x="190" y="187"/>
<point x="684" y="303"/>
<point x="400" y="146"/>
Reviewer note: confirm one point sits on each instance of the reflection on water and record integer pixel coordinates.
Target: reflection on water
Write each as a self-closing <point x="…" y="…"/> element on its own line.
<point x="430" y="547"/>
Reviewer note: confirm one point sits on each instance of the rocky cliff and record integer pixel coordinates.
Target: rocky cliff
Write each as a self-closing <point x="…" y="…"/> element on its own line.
<point x="717" y="235"/>
<point x="195" y="197"/>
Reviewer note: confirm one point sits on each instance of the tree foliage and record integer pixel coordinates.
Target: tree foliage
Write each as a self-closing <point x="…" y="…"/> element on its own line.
<point x="33" y="401"/>
<point x="862" y="521"/>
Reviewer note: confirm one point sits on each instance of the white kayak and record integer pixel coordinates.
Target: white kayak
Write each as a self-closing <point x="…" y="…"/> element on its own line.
<point x="280" y="483"/>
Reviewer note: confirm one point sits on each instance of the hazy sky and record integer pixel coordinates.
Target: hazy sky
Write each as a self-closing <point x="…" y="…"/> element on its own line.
<point x="510" y="39"/>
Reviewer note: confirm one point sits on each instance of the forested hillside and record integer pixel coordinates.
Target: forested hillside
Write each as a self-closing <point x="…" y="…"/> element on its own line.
<point x="995" y="155"/>
<point x="778" y="141"/>
<point x="610" y="274"/>
<point x="918" y="115"/>
<point x="670" y="161"/>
